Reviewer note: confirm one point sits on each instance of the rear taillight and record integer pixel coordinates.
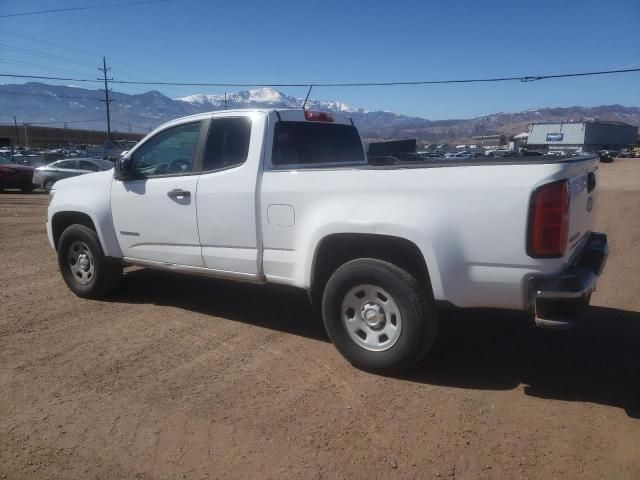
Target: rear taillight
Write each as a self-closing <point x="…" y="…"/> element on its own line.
<point x="318" y="116"/>
<point x="549" y="220"/>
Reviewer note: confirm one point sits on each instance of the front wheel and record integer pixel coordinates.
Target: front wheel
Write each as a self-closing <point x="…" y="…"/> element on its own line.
<point x="377" y="315"/>
<point x="48" y="185"/>
<point x="84" y="267"/>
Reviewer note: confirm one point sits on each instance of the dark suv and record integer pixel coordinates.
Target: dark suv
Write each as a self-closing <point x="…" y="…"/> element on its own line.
<point x="13" y="175"/>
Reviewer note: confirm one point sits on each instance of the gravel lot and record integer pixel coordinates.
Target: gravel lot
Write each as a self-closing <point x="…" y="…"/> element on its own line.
<point x="181" y="377"/>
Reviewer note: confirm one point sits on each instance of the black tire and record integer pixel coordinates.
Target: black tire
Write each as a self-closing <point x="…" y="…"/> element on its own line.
<point x="419" y="323"/>
<point x="48" y="184"/>
<point x="105" y="275"/>
<point x="27" y="189"/>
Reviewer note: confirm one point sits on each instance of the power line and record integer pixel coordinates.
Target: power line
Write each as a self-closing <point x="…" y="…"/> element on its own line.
<point x="73" y="9"/>
<point x="40" y="77"/>
<point x="49" y="56"/>
<point x="528" y="78"/>
<point x="47" y="42"/>
<point x="524" y="79"/>
<point x="39" y="66"/>
<point x="94" y="54"/>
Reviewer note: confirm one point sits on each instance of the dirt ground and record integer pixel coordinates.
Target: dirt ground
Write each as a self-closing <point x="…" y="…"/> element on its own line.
<point x="181" y="377"/>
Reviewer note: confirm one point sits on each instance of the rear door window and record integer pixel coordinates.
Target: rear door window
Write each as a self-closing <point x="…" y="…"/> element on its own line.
<point x="227" y="143"/>
<point x="316" y="144"/>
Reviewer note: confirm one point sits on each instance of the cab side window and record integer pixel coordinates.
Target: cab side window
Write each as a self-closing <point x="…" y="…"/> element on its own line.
<point x="227" y="143"/>
<point x="170" y="152"/>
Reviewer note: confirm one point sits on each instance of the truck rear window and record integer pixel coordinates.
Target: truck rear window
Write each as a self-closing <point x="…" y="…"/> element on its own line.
<point x="314" y="143"/>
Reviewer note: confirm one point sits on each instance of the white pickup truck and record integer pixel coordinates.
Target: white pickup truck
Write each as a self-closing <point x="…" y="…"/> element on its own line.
<point x="287" y="197"/>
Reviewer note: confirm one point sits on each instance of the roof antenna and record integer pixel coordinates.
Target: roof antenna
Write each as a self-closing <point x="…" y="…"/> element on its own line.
<point x="307" y="97"/>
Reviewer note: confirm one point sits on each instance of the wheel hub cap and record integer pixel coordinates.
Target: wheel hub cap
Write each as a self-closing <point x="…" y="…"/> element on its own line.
<point x="81" y="263"/>
<point x="371" y="317"/>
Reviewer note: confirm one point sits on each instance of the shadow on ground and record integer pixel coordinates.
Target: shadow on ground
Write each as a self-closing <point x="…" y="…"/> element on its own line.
<point x="598" y="361"/>
<point x="279" y="308"/>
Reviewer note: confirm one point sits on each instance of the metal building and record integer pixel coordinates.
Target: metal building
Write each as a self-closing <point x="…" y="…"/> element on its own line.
<point x="585" y="136"/>
<point x="46" y="137"/>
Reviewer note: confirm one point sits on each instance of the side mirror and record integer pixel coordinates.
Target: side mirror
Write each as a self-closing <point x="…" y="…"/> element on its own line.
<point x="122" y="168"/>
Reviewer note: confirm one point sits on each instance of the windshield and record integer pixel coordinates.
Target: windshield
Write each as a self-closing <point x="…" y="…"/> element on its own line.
<point x="4" y="160"/>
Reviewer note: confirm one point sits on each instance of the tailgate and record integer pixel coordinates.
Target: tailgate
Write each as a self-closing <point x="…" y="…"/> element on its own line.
<point x="583" y="186"/>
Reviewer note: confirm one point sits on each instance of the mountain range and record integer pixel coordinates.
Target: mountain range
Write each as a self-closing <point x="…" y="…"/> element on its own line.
<point x="75" y="107"/>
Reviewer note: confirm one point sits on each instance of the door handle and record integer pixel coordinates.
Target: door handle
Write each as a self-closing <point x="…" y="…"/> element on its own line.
<point x="179" y="194"/>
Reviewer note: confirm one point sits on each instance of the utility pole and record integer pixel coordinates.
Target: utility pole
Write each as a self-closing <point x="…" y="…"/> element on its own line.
<point x="225" y="100"/>
<point x="129" y="127"/>
<point x="106" y="100"/>
<point x="15" y="122"/>
<point x="26" y="136"/>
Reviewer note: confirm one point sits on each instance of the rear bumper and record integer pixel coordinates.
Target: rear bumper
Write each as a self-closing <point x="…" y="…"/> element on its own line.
<point x="17" y="180"/>
<point x="37" y="179"/>
<point x="558" y="301"/>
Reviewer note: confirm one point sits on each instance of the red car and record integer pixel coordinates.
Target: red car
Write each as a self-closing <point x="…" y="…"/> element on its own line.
<point x="13" y="175"/>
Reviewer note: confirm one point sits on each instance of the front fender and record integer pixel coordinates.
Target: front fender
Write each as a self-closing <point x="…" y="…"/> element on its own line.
<point x="90" y="195"/>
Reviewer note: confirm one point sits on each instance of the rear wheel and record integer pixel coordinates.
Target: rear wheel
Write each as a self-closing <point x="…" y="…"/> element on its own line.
<point x="377" y="315"/>
<point x="27" y="189"/>
<point x="48" y="185"/>
<point x="83" y="265"/>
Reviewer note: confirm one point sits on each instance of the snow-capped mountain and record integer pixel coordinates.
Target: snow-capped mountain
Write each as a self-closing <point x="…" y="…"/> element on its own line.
<point x="75" y="107"/>
<point x="267" y="98"/>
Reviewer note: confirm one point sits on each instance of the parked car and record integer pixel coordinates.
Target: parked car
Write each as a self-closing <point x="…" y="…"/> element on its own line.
<point x="29" y="159"/>
<point x="13" y="175"/>
<point x="46" y="176"/>
<point x="498" y="152"/>
<point x="606" y="156"/>
<point x="557" y="153"/>
<point x="627" y="154"/>
<point x="287" y="197"/>
<point x="458" y="155"/>
<point x="531" y="153"/>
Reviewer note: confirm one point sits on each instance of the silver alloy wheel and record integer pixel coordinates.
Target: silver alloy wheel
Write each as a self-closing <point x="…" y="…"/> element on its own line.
<point x="371" y="317"/>
<point x="81" y="262"/>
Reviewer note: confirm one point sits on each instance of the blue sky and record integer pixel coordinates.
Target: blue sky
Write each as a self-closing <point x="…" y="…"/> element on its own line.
<point x="344" y="41"/>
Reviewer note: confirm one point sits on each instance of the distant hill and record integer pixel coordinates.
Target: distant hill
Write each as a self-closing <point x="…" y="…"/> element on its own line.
<point x="81" y="108"/>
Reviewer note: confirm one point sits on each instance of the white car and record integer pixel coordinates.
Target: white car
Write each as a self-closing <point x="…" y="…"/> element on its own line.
<point x="499" y="152"/>
<point x="287" y="197"/>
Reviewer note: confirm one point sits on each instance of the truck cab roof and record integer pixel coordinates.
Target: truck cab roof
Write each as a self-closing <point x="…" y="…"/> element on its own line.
<point x="284" y="114"/>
